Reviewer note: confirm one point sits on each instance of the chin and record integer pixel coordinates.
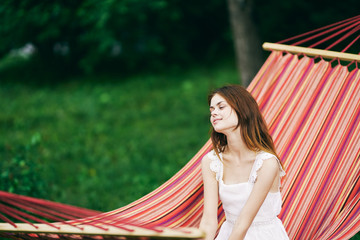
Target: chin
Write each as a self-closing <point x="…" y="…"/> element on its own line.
<point x="224" y="130"/>
<point x="218" y="130"/>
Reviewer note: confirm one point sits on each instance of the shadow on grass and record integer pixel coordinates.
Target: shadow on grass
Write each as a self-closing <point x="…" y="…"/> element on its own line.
<point x="35" y="72"/>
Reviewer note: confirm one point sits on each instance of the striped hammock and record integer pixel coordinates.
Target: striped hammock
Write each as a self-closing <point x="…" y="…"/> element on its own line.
<point x="313" y="112"/>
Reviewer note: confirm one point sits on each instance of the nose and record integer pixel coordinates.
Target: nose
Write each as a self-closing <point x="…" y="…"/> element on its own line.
<point x="214" y="112"/>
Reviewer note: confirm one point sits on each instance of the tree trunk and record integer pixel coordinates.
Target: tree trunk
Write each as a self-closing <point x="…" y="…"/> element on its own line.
<point x="247" y="44"/>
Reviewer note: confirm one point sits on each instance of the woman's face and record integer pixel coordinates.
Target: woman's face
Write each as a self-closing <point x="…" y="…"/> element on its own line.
<point x="223" y="117"/>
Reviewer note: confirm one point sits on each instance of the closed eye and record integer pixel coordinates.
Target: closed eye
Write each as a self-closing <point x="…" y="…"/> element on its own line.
<point x="222" y="107"/>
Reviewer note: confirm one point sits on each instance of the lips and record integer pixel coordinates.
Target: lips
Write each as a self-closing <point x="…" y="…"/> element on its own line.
<point x="216" y="120"/>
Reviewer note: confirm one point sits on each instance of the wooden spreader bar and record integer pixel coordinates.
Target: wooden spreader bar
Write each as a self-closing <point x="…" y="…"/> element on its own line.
<point x="311" y="52"/>
<point x="167" y="233"/>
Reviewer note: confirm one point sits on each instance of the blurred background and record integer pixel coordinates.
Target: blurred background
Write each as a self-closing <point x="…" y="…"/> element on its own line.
<point x="103" y="101"/>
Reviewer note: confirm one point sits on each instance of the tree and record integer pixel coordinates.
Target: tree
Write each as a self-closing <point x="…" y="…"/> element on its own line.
<point x="65" y="33"/>
<point x="128" y="35"/>
<point x="246" y="41"/>
<point x="277" y="20"/>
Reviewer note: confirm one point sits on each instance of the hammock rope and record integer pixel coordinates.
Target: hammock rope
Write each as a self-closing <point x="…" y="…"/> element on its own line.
<point x="344" y="22"/>
<point x="313" y="112"/>
<point x="352" y="24"/>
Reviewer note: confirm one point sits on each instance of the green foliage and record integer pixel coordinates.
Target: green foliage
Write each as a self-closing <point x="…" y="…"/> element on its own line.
<point x="131" y="35"/>
<point x="280" y="19"/>
<point x="113" y="34"/>
<point x="101" y="143"/>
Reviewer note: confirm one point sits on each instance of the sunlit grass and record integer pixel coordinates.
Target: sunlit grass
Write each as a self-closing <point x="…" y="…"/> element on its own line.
<point x="104" y="142"/>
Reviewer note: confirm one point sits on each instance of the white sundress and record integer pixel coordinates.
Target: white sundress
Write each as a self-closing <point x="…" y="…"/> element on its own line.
<point x="266" y="225"/>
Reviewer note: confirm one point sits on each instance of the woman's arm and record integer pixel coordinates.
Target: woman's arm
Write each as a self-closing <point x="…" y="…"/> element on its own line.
<point x="209" y="218"/>
<point x="266" y="177"/>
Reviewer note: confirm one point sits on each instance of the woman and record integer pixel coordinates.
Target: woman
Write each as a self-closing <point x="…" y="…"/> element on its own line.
<point x="242" y="169"/>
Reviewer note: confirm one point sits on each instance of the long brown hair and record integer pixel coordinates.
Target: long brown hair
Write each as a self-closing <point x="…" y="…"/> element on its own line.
<point x="253" y="128"/>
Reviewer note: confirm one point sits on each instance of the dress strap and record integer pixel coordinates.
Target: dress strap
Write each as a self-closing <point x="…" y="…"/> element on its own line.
<point x="216" y="165"/>
<point x="259" y="160"/>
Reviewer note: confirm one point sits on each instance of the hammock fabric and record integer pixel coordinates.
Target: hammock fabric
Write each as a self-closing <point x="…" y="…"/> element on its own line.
<point x="313" y="112"/>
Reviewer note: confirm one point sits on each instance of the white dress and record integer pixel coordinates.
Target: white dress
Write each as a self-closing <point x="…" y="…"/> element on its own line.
<point x="266" y="225"/>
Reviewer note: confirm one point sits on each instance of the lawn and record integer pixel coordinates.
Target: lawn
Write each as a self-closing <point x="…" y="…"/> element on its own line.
<point x="101" y="142"/>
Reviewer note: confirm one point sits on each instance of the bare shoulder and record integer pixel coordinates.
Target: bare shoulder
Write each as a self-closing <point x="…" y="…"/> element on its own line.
<point x="206" y="160"/>
<point x="210" y="158"/>
<point x="271" y="162"/>
<point x="209" y="166"/>
<point x="270" y="166"/>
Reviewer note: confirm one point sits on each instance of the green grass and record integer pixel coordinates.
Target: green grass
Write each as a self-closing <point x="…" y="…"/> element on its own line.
<point x="101" y="143"/>
<point x="356" y="237"/>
